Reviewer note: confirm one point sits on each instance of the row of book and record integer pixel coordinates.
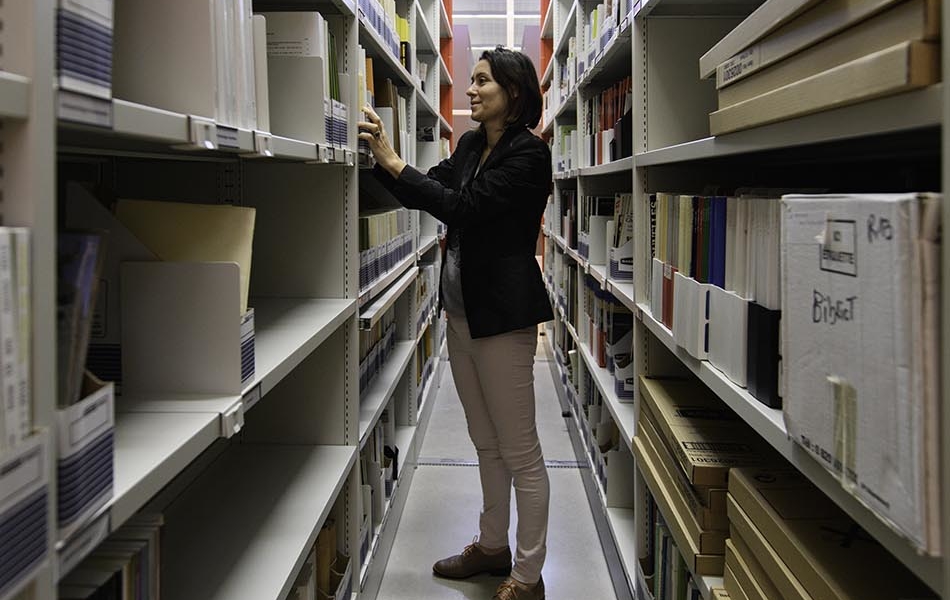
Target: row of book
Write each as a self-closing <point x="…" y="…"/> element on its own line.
<point x="609" y="327"/>
<point x="794" y="57"/>
<point x="126" y="566"/>
<point x="600" y="228"/>
<point x="427" y="290"/>
<point x="385" y="239"/>
<point x="714" y="281"/>
<point x="326" y="572"/>
<point x="375" y="346"/>
<point x="607" y="125"/>
<point x="383" y="95"/>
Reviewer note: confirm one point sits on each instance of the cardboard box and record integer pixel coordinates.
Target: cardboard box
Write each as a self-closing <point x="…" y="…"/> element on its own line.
<point x="823" y="548"/>
<point x="705" y="435"/>
<point x="707" y="505"/>
<point x="859" y="281"/>
<point x="675" y="517"/>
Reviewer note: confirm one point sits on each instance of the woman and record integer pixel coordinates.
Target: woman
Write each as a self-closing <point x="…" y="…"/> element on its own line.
<point x="491" y="194"/>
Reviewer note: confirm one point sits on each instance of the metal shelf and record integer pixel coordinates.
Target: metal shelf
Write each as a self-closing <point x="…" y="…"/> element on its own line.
<point x="377" y="396"/>
<point x="444" y="125"/>
<point x="425" y="243"/>
<point x="424" y="105"/>
<point x="445" y="27"/>
<point x="445" y="78"/>
<point x="372" y="313"/>
<point x="894" y="114"/>
<point x="138" y="128"/>
<point x="691" y="8"/>
<point x="611" y="168"/>
<point x="424" y="41"/>
<point x="548" y="72"/>
<point x="547" y="23"/>
<point x="287" y="330"/>
<point x="565" y="34"/>
<point x="247" y="524"/>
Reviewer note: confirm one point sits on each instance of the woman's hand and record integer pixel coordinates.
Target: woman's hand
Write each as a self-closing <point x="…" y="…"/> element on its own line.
<point x="373" y="133"/>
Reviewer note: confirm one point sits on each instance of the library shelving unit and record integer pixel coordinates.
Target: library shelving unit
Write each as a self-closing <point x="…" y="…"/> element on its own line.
<point x="28" y="479"/>
<point x="861" y="147"/>
<point x="244" y="471"/>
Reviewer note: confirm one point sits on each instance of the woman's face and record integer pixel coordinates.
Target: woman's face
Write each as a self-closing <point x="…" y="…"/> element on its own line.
<point x="488" y="100"/>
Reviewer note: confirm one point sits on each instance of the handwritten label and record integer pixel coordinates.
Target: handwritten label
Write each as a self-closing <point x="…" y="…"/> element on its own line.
<point x="828" y="310"/>
<point x="879" y="228"/>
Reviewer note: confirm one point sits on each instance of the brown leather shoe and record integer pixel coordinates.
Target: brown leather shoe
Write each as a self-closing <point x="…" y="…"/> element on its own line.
<point x="512" y="589"/>
<point x="473" y="561"/>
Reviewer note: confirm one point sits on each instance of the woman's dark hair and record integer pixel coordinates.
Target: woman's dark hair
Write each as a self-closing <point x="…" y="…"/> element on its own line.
<point x="516" y="74"/>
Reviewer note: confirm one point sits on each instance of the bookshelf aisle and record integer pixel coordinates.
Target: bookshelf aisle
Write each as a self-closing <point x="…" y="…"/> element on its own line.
<point x="192" y="276"/>
<point x="651" y="235"/>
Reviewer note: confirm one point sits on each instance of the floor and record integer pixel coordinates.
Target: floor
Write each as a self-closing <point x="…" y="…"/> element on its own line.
<point x="441" y="511"/>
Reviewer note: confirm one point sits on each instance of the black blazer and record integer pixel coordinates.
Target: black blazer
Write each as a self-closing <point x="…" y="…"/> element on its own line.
<point x="498" y="214"/>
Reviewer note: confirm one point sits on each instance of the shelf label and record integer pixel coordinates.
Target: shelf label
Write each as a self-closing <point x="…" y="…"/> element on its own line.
<point x="232" y="420"/>
<point x="227" y="137"/>
<point x="203" y="132"/>
<point x="264" y="144"/>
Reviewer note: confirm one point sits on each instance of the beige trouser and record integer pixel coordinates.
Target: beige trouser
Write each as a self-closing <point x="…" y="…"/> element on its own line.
<point x="495" y="381"/>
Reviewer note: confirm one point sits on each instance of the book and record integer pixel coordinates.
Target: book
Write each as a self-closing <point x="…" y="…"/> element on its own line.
<point x="770" y="15"/>
<point x="910" y="20"/>
<point x="80" y="260"/>
<point x="903" y="67"/>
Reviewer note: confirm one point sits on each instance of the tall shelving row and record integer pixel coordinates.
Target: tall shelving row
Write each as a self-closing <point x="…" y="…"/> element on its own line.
<point x="863" y="146"/>
<point x="245" y="469"/>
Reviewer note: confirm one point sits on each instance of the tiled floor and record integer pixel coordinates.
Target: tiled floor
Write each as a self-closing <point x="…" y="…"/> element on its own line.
<point x="441" y="512"/>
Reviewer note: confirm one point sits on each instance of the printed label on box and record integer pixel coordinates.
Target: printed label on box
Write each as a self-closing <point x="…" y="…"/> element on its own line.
<point x="839" y="250"/>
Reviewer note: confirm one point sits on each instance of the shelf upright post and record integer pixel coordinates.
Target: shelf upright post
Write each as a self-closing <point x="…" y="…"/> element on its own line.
<point x="28" y="159"/>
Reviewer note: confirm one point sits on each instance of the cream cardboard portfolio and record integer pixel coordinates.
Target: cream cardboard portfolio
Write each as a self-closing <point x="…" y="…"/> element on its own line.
<point x="774" y="565"/>
<point x="176" y="231"/>
<point x="827" y="552"/>
<point x="705" y="436"/>
<point x="856" y="395"/>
